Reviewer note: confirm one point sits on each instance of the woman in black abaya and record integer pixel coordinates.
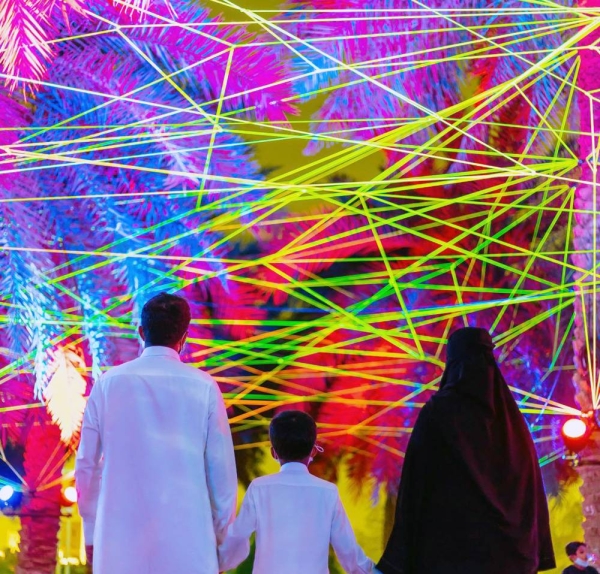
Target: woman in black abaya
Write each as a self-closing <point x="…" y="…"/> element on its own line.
<point x="471" y="498"/>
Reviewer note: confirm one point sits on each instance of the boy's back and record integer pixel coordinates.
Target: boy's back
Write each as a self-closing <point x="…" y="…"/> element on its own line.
<point x="295" y="516"/>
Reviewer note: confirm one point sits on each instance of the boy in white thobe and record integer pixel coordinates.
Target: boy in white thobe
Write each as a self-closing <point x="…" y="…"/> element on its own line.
<point x="295" y="515"/>
<point x="166" y="492"/>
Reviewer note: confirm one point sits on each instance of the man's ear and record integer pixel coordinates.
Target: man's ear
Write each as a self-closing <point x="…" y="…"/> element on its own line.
<point x="141" y="332"/>
<point x="274" y="454"/>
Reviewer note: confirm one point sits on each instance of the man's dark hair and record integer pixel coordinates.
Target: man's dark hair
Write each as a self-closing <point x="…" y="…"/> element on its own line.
<point x="293" y="435"/>
<point x="165" y="319"/>
<point x="573" y="547"/>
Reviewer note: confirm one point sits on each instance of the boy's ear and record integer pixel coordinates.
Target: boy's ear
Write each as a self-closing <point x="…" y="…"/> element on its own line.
<point x="274" y="454"/>
<point x="314" y="451"/>
<point x="141" y="332"/>
<point x="182" y="341"/>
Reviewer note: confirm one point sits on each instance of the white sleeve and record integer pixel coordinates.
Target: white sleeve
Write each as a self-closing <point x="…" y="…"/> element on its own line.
<point x="219" y="463"/>
<point x="88" y="468"/>
<point x="350" y="555"/>
<point x="236" y="546"/>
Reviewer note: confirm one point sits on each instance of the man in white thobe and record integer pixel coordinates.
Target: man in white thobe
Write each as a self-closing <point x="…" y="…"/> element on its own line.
<point x="155" y="469"/>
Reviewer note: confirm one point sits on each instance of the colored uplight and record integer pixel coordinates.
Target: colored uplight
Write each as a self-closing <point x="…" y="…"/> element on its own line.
<point x="575" y="428"/>
<point x="575" y="434"/>
<point x="70" y="494"/>
<point x="6" y="493"/>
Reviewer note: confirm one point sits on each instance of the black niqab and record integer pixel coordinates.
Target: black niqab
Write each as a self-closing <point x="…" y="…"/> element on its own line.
<point x="471" y="498"/>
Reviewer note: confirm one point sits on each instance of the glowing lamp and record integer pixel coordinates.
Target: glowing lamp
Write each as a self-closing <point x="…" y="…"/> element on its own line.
<point x="575" y="428"/>
<point x="70" y="494"/>
<point x="575" y="434"/>
<point x="6" y="493"/>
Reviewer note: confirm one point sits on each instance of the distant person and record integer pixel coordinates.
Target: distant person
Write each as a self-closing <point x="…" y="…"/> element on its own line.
<point x="471" y="498"/>
<point x="295" y="515"/>
<point x="578" y="554"/>
<point x="165" y="492"/>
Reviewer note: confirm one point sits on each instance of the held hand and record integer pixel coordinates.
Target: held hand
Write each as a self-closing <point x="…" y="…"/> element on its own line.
<point x="89" y="556"/>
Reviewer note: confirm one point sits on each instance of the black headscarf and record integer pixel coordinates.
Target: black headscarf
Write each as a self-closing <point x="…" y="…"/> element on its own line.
<point x="471" y="498"/>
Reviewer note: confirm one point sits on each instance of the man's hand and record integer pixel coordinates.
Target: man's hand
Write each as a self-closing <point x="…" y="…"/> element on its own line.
<point x="89" y="556"/>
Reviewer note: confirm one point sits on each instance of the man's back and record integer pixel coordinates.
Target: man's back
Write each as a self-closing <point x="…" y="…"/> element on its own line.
<point x="168" y="468"/>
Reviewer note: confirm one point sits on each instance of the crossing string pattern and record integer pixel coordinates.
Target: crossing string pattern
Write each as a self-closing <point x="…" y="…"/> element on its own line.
<point x="335" y="187"/>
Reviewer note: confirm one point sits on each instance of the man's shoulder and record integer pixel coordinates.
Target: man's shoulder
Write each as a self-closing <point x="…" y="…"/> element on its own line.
<point x="138" y="366"/>
<point x="115" y="371"/>
<point x="194" y="373"/>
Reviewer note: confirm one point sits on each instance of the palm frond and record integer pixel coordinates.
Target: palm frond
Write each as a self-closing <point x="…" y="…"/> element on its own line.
<point x="65" y="393"/>
<point x="34" y="306"/>
<point x="209" y="59"/>
<point x="27" y="31"/>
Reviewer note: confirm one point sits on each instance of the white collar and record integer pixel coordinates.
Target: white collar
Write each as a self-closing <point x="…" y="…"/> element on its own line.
<point x="294" y="467"/>
<point x="158" y="351"/>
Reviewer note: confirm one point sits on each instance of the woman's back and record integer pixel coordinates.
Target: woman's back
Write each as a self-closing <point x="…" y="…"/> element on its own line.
<point x="458" y="530"/>
<point x="471" y="497"/>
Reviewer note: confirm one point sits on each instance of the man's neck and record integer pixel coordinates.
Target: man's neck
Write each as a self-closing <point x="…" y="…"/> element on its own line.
<point x="174" y="347"/>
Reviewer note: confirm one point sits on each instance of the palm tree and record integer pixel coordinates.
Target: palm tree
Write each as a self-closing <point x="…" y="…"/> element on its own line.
<point x="45" y="455"/>
<point x="344" y="275"/>
<point x="60" y="290"/>
<point x="45" y="441"/>
<point x="444" y="103"/>
<point x="585" y="247"/>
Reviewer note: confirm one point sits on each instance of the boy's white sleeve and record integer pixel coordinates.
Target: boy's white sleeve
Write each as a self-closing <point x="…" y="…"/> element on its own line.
<point x="236" y="546"/>
<point x="350" y="555"/>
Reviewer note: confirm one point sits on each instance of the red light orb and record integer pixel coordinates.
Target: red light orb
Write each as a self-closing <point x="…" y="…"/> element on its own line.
<point x="69" y="495"/>
<point x="576" y="434"/>
<point x="575" y="428"/>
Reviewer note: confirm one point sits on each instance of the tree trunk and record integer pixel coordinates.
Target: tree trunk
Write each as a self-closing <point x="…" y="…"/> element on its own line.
<point x="585" y="241"/>
<point x="40" y="513"/>
<point x="589" y="470"/>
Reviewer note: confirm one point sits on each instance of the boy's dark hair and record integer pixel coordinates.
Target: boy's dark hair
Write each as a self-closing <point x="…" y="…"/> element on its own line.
<point x="165" y="319"/>
<point x="573" y="547"/>
<point x="293" y="435"/>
